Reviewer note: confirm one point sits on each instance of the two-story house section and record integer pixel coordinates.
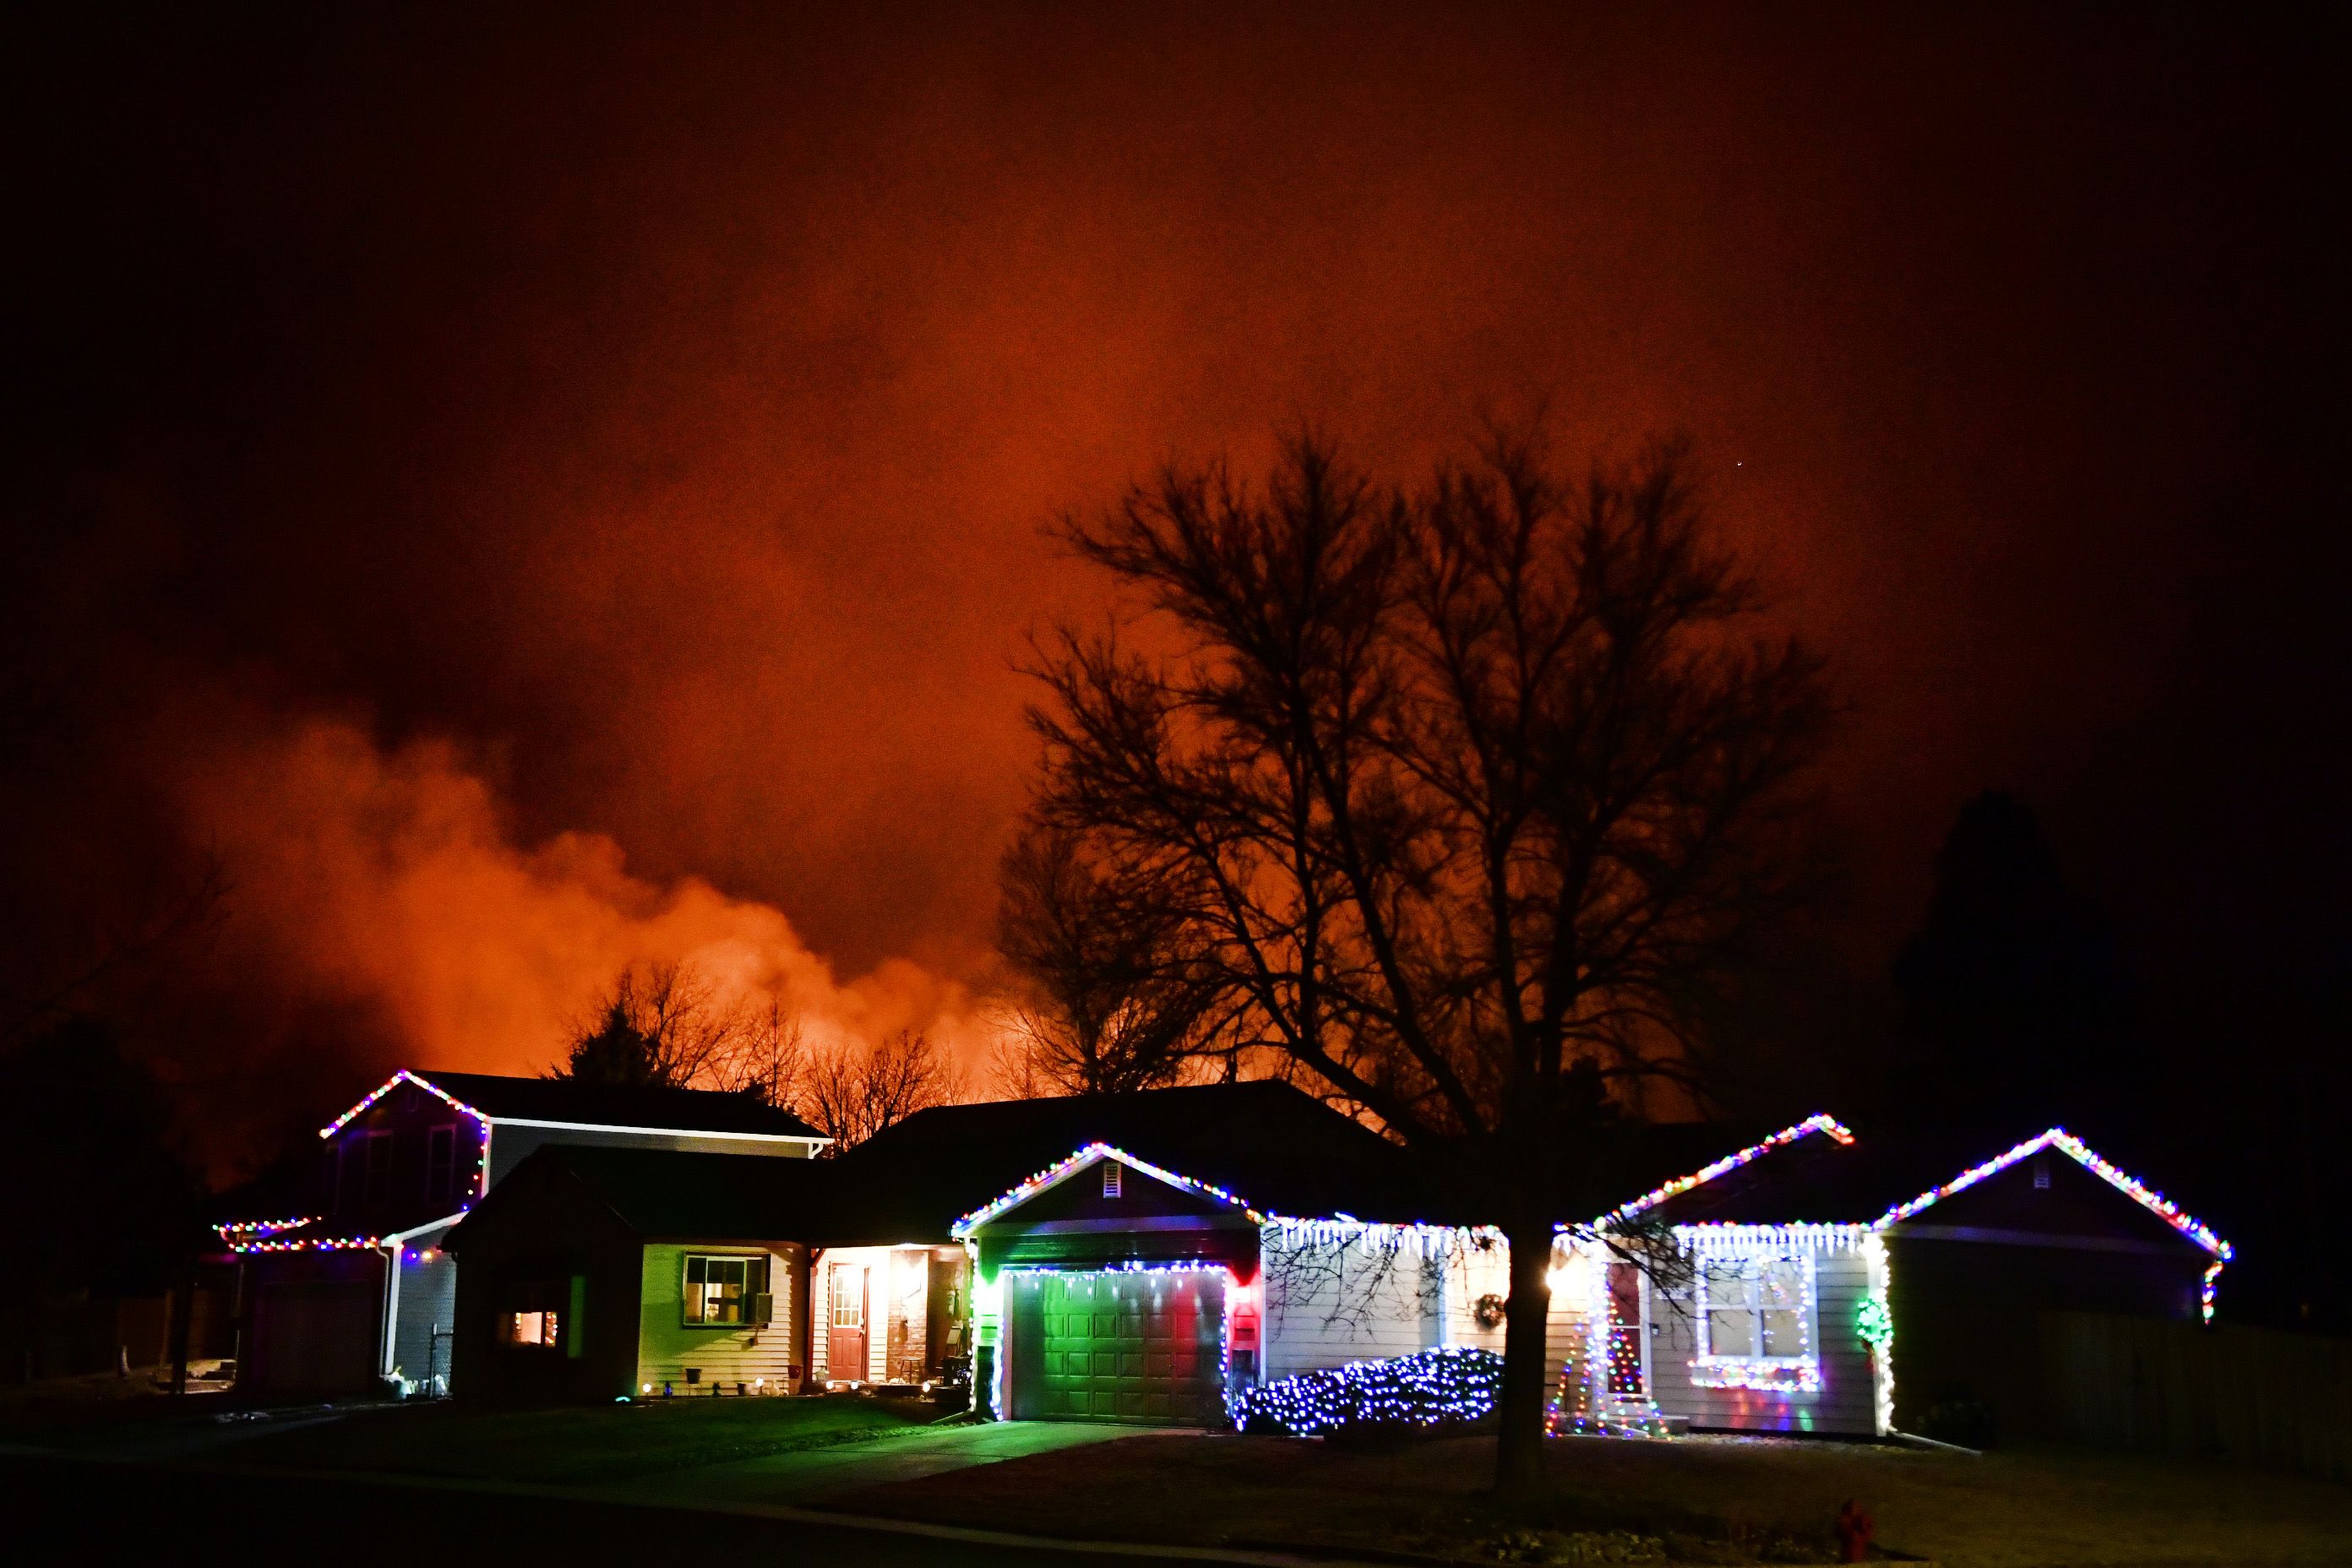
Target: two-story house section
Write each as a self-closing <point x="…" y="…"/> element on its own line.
<point x="356" y="1287"/>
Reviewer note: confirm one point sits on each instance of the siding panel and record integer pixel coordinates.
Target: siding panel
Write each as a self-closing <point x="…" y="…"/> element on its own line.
<point x="666" y="1347"/>
<point x="1845" y="1404"/>
<point x="1328" y="1305"/>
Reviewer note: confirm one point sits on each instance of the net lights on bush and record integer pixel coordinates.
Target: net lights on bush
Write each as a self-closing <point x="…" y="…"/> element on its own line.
<point x="1823" y="1123"/>
<point x="1428" y="1390"/>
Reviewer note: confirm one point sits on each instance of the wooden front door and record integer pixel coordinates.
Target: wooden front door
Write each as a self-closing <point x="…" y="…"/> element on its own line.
<point x="845" y="1354"/>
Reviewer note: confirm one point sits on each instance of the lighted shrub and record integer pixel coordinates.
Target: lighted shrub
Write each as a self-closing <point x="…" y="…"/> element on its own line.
<point x="1432" y="1391"/>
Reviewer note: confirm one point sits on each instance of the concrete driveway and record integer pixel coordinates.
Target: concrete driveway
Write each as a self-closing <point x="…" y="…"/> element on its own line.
<point x="800" y="1478"/>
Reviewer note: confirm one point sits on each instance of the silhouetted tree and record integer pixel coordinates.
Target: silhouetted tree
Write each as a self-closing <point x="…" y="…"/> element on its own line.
<point x="2014" y="996"/>
<point x="98" y="1197"/>
<point x="855" y="1090"/>
<point x="666" y="1026"/>
<point x="1460" y="793"/>
<point x="1105" y="1002"/>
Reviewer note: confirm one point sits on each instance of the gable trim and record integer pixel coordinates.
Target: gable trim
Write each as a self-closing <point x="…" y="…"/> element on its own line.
<point x="1821" y="1122"/>
<point x="2065" y="1143"/>
<point x="1093" y="1154"/>
<point x="386" y="1087"/>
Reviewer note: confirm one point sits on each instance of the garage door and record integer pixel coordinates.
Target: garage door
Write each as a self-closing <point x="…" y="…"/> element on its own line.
<point x="314" y="1336"/>
<point x="1120" y="1347"/>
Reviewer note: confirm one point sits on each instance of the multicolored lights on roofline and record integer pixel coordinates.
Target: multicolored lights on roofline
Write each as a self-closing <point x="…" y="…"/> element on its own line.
<point x="386" y="1087"/>
<point x="1086" y="1156"/>
<point x="1824" y="1124"/>
<point x="246" y="1229"/>
<point x="2058" y="1138"/>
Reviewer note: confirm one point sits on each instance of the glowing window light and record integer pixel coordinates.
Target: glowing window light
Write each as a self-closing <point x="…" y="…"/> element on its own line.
<point x="1823" y="1123"/>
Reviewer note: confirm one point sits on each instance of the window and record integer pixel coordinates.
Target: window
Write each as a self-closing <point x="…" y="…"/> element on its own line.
<point x="1755" y="1325"/>
<point x="539" y="1330"/>
<point x="440" y="1164"/>
<point x="726" y="1291"/>
<point x="1110" y="1178"/>
<point x="375" y="1160"/>
<point x="848" y="1296"/>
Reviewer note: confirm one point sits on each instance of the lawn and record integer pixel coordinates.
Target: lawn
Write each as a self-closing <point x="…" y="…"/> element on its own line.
<point x="577" y="1447"/>
<point x="1698" y="1500"/>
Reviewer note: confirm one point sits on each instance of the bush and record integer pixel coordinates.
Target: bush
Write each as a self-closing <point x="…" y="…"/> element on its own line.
<point x="1433" y="1391"/>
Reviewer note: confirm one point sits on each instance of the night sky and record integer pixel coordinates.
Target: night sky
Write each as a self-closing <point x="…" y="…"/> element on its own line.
<point x="530" y="494"/>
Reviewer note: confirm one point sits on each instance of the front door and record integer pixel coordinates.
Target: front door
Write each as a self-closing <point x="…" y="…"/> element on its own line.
<point x="845" y="1355"/>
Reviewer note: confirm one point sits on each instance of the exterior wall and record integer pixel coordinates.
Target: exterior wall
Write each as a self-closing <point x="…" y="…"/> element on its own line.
<point x="425" y="1301"/>
<point x="668" y="1345"/>
<point x="1964" y="1322"/>
<point x="1469" y="1274"/>
<point x="1325" y="1304"/>
<point x="316" y="1322"/>
<point x="1845" y="1404"/>
<point x="511" y="1144"/>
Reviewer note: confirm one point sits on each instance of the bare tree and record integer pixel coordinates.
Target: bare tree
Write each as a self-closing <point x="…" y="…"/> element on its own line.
<point x="764" y="1054"/>
<point x="1465" y="793"/>
<point x="662" y="1025"/>
<point x="857" y="1089"/>
<point x="1105" y="1001"/>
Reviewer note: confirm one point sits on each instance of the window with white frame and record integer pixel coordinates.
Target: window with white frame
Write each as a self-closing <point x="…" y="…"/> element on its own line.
<point x="1756" y="1323"/>
<point x="725" y="1291"/>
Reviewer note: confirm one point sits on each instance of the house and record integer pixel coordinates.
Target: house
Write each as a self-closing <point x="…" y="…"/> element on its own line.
<point x="1821" y="1264"/>
<point x="1118" y="1272"/>
<point x="349" y="1284"/>
<point x="596" y="1273"/>
<point x="1158" y="1257"/>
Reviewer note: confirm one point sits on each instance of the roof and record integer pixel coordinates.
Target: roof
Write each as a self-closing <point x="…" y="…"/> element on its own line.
<point x="1892" y="1173"/>
<point x="1269" y="1144"/>
<point x="551" y="1100"/>
<point x="668" y="1193"/>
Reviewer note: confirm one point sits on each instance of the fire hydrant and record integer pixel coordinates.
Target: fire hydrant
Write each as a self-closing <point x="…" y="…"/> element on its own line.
<point x="1853" y="1532"/>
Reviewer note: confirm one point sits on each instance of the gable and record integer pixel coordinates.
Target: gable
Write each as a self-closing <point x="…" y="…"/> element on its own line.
<point x="1071" y="1194"/>
<point x="2047" y="1181"/>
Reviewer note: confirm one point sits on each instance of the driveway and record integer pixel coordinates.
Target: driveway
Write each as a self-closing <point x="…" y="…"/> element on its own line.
<point x="800" y="1478"/>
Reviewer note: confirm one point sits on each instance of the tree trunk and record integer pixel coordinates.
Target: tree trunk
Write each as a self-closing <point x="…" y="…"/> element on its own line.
<point x="1518" y="1449"/>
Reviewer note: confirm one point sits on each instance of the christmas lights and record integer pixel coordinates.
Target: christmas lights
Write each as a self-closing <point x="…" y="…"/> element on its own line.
<point x="254" y="1227"/>
<point x="2058" y="1138"/>
<point x="1877" y="1330"/>
<point x="1430" y="1389"/>
<point x="1759" y="1370"/>
<point x="1823" y="1123"/>
<point x="386" y="1087"/>
<point x="1086" y="1156"/>
<point x="311" y="1244"/>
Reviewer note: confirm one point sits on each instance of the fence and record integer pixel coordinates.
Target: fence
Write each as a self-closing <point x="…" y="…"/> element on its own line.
<point x="2255" y="1396"/>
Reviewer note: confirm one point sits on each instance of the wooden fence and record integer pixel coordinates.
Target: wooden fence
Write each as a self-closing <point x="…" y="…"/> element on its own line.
<point x="2255" y="1396"/>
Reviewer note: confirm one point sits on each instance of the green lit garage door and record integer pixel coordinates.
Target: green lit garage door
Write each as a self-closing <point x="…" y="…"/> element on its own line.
<point x="1119" y="1347"/>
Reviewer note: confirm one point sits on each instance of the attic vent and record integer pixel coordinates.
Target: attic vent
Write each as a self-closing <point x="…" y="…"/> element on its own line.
<point x="1111" y="1169"/>
<point x="2042" y="1172"/>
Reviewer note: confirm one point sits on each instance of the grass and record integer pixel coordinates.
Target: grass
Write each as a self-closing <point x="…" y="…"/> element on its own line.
<point x="1698" y="1500"/>
<point x="579" y="1446"/>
